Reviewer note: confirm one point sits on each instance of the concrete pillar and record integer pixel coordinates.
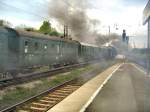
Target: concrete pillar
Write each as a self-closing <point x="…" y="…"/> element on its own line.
<point x="148" y="40"/>
<point x="148" y="46"/>
<point x="146" y="85"/>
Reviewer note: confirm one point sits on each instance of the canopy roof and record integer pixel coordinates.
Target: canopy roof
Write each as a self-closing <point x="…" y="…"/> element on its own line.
<point x="146" y="13"/>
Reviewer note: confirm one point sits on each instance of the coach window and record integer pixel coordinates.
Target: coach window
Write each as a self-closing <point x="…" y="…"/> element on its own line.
<point x="36" y="45"/>
<point x="26" y="43"/>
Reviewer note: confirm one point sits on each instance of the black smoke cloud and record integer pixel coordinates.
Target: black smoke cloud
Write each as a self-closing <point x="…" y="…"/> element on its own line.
<point x="74" y="14"/>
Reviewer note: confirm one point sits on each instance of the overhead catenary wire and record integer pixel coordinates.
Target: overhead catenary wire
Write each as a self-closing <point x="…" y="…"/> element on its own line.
<point x="32" y="13"/>
<point x="23" y="10"/>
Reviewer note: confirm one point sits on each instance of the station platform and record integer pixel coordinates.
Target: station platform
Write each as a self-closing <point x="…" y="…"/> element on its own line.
<point x="128" y="90"/>
<point x="82" y="97"/>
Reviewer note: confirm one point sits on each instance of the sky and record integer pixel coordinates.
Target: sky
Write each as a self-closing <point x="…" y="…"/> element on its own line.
<point x="121" y="14"/>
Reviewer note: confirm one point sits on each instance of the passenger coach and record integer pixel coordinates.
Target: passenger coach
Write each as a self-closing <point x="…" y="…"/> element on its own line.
<point x="24" y="50"/>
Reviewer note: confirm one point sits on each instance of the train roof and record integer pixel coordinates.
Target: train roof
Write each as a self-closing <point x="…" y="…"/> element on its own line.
<point x="3" y="29"/>
<point x="41" y="36"/>
<point x="86" y="44"/>
<point x="92" y="45"/>
<point x="33" y="34"/>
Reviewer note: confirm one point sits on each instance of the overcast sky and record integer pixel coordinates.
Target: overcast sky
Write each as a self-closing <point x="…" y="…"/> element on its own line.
<point x="127" y="14"/>
<point x="123" y="14"/>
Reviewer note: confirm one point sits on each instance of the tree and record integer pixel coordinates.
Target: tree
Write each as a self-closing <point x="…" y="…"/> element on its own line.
<point x="27" y="28"/>
<point x="45" y="28"/>
<point x="5" y="23"/>
<point x="54" y="33"/>
<point x="1" y="22"/>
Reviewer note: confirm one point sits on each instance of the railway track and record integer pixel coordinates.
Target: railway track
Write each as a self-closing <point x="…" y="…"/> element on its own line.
<point x="29" y="77"/>
<point x="47" y="99"/>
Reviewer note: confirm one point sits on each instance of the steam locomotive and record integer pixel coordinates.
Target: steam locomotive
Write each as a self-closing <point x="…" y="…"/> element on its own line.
<point x="20" y="50"/>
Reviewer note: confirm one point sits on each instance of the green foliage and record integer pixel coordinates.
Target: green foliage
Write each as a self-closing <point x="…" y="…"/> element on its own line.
<point x="5" y="23"/>
<point x="1" y="22"/>
<point x="54" y="33"/>
<point x="45" y="28"/>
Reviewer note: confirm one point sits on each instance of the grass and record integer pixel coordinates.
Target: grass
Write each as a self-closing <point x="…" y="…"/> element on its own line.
<point x="20" y="93"/>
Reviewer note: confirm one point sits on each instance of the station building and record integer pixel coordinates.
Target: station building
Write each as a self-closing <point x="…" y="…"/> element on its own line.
<point x="146" y="19"/>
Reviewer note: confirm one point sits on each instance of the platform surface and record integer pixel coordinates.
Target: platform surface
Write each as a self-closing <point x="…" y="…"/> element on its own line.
<point x="79" y="100"/>
<point x="128" y="90"/>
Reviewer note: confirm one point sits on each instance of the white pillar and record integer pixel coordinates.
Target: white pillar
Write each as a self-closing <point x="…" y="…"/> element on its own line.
<point x="146" y="85"/>
<point x="148" y="31"/>
<point x="148" y="46"/>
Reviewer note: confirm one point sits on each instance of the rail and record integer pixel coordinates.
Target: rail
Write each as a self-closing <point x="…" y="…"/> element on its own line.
<point x="29" y="77"/>
<point x="13" y="108"/>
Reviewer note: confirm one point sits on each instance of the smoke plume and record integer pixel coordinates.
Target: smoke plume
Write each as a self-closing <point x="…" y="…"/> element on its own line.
<point x="73" y="13"/>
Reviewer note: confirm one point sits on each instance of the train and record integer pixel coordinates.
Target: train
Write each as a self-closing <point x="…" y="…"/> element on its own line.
<point x="22" y="50"/>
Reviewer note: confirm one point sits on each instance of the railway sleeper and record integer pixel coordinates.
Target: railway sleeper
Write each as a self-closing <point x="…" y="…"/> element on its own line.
<point x="23" y="111"/>
<point x="58" y="93"/>
<point x="67" y="90"/>
<point x="63" y="91"/>
<point x="47" y="101"/>
<point x="35" y="104"/>
<point x="37" y="109"/>
<point x="72" y="86"/>
<point x="39" y="106"/>
<point x="56" y="96"/>
<point x="51" y="99"/>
